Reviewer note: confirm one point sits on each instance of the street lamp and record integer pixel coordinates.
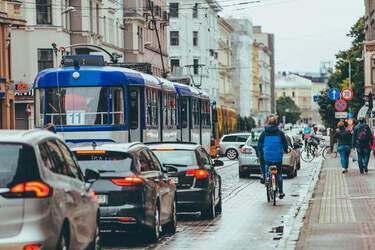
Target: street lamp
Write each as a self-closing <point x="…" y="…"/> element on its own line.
<point x="358" y="59"/>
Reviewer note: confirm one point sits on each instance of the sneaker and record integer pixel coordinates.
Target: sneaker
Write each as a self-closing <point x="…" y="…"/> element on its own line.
<point x="344" y="171"/>
<point x="281" y="196"/>
<point x="361" y="171"/>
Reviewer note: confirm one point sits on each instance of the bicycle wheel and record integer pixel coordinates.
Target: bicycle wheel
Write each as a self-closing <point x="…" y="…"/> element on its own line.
<point x="307" y="155"/>
<point x="268" y="193"/>
<point x="328" y="154"/>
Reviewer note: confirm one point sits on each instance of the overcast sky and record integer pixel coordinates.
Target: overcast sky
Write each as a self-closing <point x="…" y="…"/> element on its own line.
<point x="307" y="32"/>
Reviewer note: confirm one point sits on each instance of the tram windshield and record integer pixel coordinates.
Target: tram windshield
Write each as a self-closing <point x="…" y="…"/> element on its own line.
<point x="79" y="106"/>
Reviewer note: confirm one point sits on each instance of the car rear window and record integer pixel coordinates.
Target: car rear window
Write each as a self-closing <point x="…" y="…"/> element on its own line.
<point x="17" y="164"/>
<point x="230" y="138"/>
<point x="180" y="158"/>
<point x="104" y="161"/>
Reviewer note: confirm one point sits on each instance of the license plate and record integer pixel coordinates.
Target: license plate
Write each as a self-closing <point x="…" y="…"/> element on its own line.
<point x="174" y="179"/>
<point x="102" y="199"/>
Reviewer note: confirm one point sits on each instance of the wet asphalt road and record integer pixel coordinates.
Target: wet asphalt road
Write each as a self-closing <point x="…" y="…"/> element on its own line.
<point x="247" y="221"/>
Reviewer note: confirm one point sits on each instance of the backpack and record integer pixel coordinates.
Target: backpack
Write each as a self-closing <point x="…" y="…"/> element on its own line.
<point x="362" y="137"/>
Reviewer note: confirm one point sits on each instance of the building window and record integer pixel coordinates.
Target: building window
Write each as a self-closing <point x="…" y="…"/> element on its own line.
<point x="140" y="39"/>
<point x="173" y="10"/>
<point x="105" y="28"/>
<point x="175" y="63"/>
<point x="45" y="59"/>
<point x="195" y="11"/>
<point x="373" y="70"/>
<point x="174" y="38"/>
<point x="195" y="38"/>
<point x="91" y="9"/>
<point x="196" y="66"/>
<point x="293" y="94"/>
<point x="111" y="29"/>
<point x="43" y="11"/>
<point x="97" y="19"/>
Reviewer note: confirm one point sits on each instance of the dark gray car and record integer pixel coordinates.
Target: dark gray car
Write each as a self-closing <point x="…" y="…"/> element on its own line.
<point x="44" y="200"/>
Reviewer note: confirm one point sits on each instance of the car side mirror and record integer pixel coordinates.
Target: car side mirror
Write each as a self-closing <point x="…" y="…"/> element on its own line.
<point x="218" y="163"/>
<point x="91" y="176"/>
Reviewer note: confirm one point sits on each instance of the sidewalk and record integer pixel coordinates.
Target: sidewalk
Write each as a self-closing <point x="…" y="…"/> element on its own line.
<point x="342" y="212"/>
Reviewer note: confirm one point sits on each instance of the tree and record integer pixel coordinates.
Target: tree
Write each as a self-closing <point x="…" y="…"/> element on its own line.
<point x="341" y="75"/>
<point x="285" y="106"/>
<point x="245" y="123"/>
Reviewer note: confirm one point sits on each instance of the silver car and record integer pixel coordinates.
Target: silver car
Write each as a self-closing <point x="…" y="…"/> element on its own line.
<point x="230" y="144"/>
<point x="44" y="200"/>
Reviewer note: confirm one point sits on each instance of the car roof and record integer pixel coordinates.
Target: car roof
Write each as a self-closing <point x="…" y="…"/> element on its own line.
<point x="118" y="147"/>
<point x="174" y="145"/>
<point x="243" y="133"/>
<point x="26" y="136"/>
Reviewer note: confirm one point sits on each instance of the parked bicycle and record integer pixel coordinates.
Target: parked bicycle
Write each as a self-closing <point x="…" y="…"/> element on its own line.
<point x="271" y="185"/>
<point x="311" y="151"/>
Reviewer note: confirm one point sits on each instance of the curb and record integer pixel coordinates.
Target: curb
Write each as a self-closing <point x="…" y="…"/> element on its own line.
<point x="294" y="220"/>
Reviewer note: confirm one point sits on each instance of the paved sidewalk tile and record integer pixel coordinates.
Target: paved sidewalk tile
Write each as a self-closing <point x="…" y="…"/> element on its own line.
<point x="342" y="212"/>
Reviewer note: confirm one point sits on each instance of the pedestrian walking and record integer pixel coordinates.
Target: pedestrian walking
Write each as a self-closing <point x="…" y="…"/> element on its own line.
<point x="344" y="142"/>
<point x="362" y="142"/>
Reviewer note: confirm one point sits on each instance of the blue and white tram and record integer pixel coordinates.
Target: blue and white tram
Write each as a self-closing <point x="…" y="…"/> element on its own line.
<point x="92" y="103"/>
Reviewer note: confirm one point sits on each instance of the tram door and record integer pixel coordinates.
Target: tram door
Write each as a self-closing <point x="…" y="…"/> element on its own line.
<point x="185" y="113"/>
<point x="135" y="126"/>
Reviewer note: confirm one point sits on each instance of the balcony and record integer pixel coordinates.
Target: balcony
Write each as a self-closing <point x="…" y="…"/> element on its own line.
<point x="10" y="12"/>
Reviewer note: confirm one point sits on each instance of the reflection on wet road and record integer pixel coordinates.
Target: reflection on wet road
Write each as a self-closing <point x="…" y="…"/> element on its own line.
<point x="247" y="221"/>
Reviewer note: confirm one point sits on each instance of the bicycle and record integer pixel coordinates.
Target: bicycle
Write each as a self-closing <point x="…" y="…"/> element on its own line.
<point x="310" y="152"/>
<point x="271" y="184"/>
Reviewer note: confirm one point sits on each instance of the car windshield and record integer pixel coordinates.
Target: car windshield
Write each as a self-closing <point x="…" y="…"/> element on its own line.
<point x="104" y="161"/>
<point x="17" y="163"/>
<point x="181" y="158"/>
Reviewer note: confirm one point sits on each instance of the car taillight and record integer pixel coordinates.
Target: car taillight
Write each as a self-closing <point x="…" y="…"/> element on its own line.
<point x="128" y="181"/>
<point x="244" y="150"/>
<point x="197" y="173"/>
<point x="33" y="246"/>
<point x="30" y="189"/>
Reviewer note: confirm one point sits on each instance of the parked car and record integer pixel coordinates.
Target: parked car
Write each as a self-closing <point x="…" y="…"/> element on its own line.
<point x="193" y="171"/>
<point x="44" y="200"/>
<point x="230" y="144"/>
<point x="134" y="193"/>
<point x="249" y="160"/>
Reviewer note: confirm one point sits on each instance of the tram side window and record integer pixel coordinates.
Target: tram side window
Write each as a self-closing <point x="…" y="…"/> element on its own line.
<point x="185" y="111"/>
<point x="133" y="114"/>
<point x="172" y="109"/>
<point x="169" y="108"/>
<point x="206" y="118"/>
<point x="152" y="104"/>
<point x="195" y="111"/>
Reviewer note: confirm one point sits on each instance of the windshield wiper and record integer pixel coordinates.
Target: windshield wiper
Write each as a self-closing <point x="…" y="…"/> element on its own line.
<point x="106" y="171"/>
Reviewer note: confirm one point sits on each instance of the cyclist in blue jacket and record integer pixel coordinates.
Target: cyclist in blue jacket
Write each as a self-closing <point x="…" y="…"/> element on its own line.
<point x="272" y="144"/>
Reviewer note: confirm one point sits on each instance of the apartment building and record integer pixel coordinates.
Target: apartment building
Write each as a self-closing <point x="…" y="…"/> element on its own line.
<point x="146" y="33"/>
<point x="10" y="16"/>
<point x="193" y="43"/>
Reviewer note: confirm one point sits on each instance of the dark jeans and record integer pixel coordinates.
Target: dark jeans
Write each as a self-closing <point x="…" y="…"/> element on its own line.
<point x="363" y="158"/>
<point x="344" y="151"/>
<point x="279" y="165"/>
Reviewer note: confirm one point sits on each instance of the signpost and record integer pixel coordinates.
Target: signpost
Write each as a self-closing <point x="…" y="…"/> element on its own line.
<point x="341" y="115"/>
<point x="341" y="105"/>
<point x="347" y="94"/>
<point x="334" y="94"/>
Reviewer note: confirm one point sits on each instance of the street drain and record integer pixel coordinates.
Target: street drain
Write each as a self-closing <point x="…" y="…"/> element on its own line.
<point x="295" y="195"/>
<point x="278" y="230"/>
<point x="277" y="238"/>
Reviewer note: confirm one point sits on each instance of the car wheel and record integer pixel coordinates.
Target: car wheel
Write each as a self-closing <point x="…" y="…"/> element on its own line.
<point x="171" y="226"/>
<point x="154" y="231"/>
<point x="95" y="244"/>
<point x="209" y="213"/>
<point x="231" y="154"/>
<point x="243" y="175"/>
<point x="63" y="241"/>
<point x="219" y="206"/>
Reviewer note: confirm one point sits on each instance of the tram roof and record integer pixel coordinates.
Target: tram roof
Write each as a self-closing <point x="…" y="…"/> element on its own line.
<point x="94" y="76"/>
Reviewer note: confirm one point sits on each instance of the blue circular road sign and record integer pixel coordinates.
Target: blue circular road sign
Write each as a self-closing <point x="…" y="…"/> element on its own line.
<point x="334" y="94"/>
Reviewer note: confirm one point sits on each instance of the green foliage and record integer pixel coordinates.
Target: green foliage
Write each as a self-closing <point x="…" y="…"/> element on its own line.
<point x="327" y="110"/>
<point x="245" y="123"/>
<point x="285" y="106"/>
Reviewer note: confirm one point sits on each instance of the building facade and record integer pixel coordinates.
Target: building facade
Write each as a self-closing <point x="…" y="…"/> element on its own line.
<point x="10" y="16"/>
<point x="299" y="89"/>
<point x="369" y="47"/>
<point x="266" y="70"/>
<point x="242" y="44"/>
<point x="193" y="43"/>
<point x="144" y="31"/>
<point x="226" y="95"/>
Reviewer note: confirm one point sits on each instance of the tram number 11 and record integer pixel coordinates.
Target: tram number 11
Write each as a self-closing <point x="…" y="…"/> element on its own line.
<point x="75" y="117"/>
